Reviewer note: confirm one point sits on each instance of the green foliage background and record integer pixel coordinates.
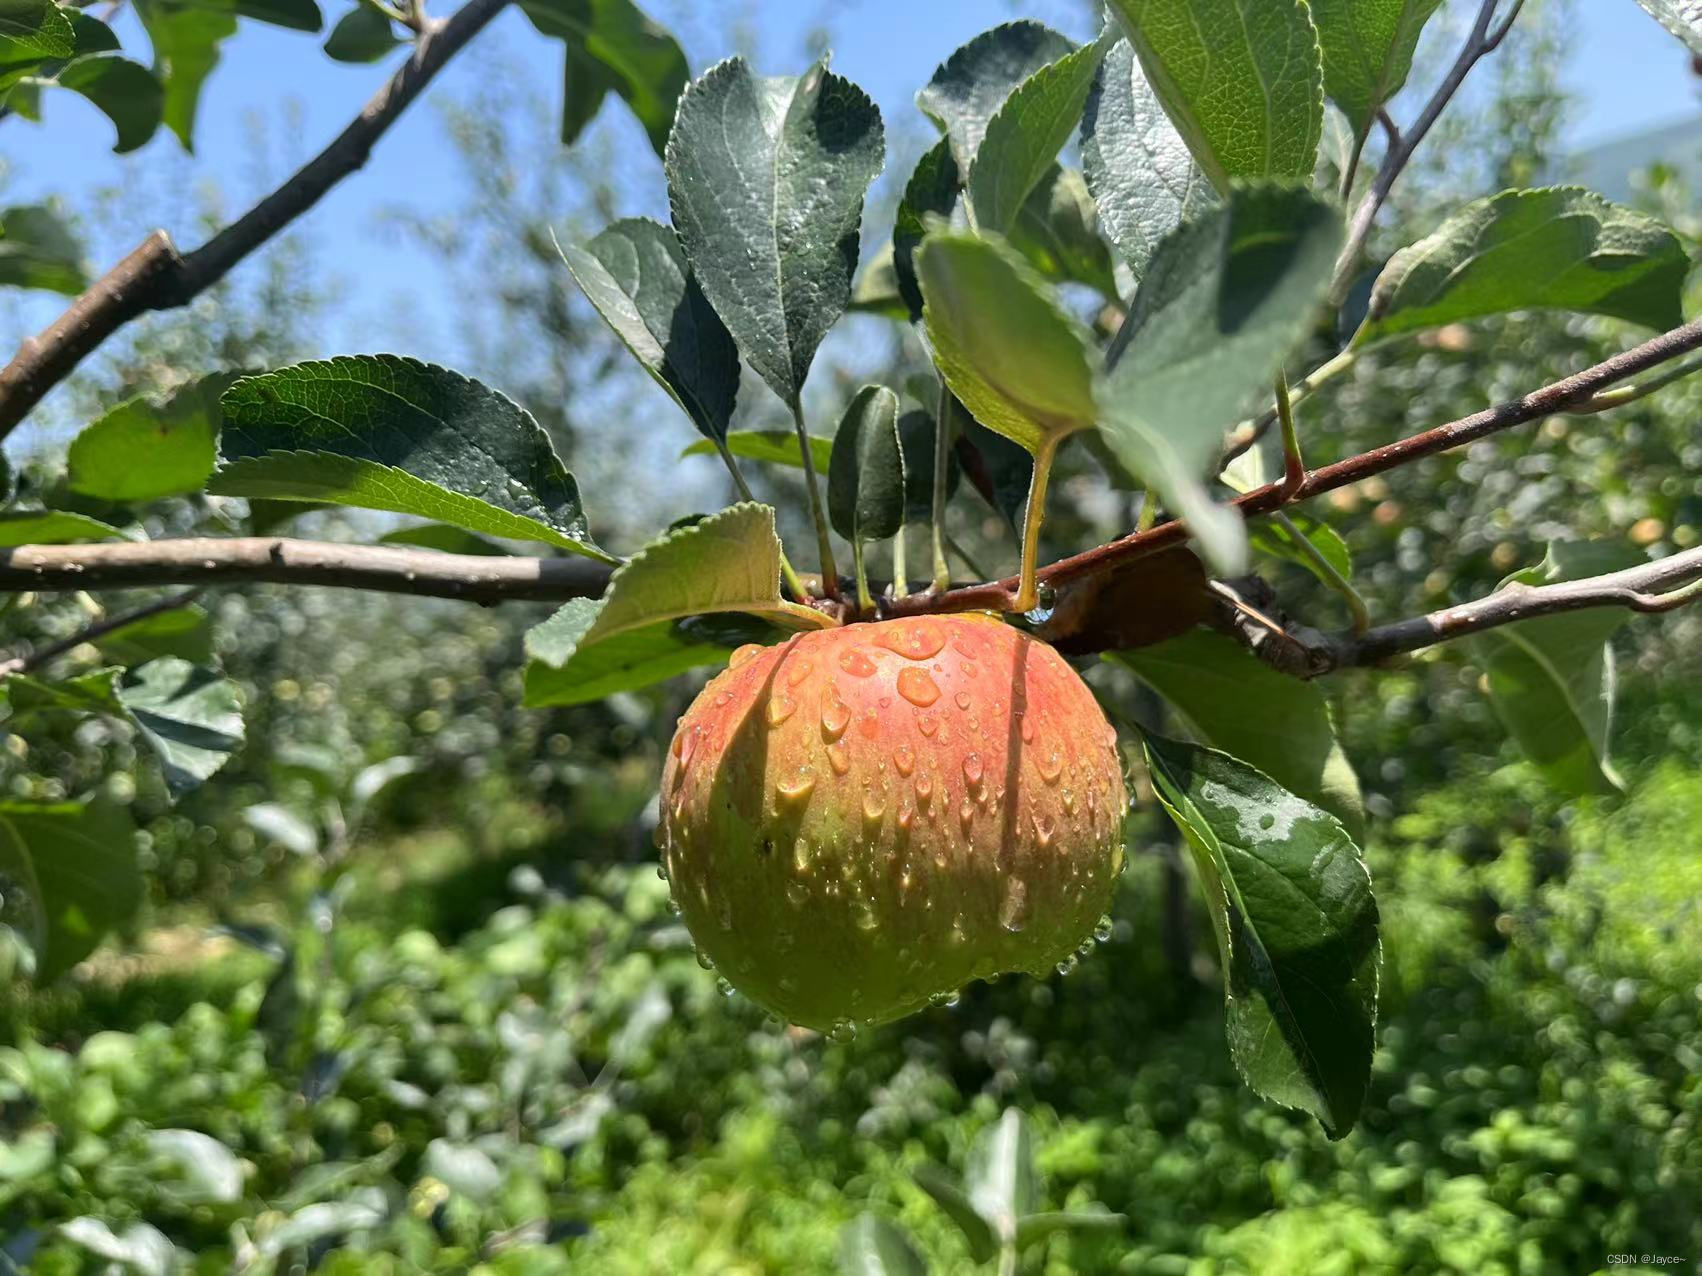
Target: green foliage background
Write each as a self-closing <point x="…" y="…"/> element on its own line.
<point x="478" y="1039"/>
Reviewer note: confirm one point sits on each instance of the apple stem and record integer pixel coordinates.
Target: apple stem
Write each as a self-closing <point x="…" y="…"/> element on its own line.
<point x="1028" y="590"/>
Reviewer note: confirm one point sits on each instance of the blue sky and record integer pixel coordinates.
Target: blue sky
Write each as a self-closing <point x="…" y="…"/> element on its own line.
<point x="1626" y="74"/>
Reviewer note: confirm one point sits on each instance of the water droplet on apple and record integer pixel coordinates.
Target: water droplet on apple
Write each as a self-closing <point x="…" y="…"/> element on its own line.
<point x="856" y="663"/>
<point x="918" y="687"/>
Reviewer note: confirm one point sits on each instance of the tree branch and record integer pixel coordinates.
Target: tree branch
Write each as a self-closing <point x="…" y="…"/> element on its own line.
<point x="390" y="569"/>
<point x="494" y="579"/>
<point x="1664" y="585"/>
<point x="156" y="277"/>
<point x="89" y="633"/>
<point x="1080" y="570"/>
<point x="1480" y="42"/>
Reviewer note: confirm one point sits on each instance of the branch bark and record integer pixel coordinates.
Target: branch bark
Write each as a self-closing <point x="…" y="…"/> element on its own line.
<point x="1661" y="586"/>
<point x="390" y="569"/>
<point x="155" y="276"/>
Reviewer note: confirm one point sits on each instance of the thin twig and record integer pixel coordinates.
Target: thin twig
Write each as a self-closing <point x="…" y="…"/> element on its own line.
<point x="1478" y="43"/>
<point x="1661" y="586"/>
<point x="91" y="633"/>
<point x="156" y="277"/>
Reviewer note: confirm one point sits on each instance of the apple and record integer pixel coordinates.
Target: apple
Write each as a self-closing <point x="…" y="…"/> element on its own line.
<point x="859" y="820"/>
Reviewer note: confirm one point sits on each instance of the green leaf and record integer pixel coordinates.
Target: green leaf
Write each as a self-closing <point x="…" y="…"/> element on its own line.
<point x="186" y="35"/>
<point x="387" y="433"/>
<point x="1296" y="926"/>
<point x="51" y="527"/>
<point x="1270" y="537"/>
<point x="1058" y="231"/>
<point x="1025" y="134"/>
<point x="1142" y="174"/>
<point x="562" y="670"/>
<point x="978" y="1234"/>
<point x="875" y="290"/>
<point x="1224" y="301"/>
<point x="1000" y="1173"/>
<point x="92" y="692"/>
<point x="1552" y="679"/>
<point x="916" y="442"/>
<point x="37" y="251"/>
<point x="189" y="715"/>
<point x="125" y="91"/>
<point x="766" y="179"/>
<point x="635" y="274"/>
<point x="871" y="1246"/>
<point x="1034" y="1228"/>
<point x="444" y="538"/>
<point x="140" y="451"/>
<point x="970" y="86"/>
<point x="34" y="29"/>
<point x="1240" y="79"/>
<point x="1681" y="17"/>
<point x="1367" y="48"/>
<point x="363" y="34"/>
<point x="1560" y="248"/>
<point x="612" y="46"/>
<point x="1015" y="358"/>
<point x="1001" y="471"/>
<point x="77" y="861"/>
<point x="931" y="190"/>
<point x="727" y="562"/>
<point x="185" y="632"/>
<point x="865" y="480"/>
<point x="1230" y="700"/>
<point x="772" y="447"/>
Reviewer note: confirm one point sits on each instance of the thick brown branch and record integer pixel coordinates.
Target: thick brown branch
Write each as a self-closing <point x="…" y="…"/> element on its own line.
<point x="156" y="277"/>
<point x="386" y="568"/>
<point x="1649" y="587"/>
<point x="1081" y="569"/>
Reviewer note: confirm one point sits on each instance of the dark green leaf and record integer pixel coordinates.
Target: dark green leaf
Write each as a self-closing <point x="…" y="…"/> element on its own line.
<point x="773" y="447"/>
<point x="78" y="861"/>
<point x="1058" y="231"/>
<point x="189" y="715"/>
<point x="1681" y="17"/>
<point x="871" y="1246"/>
<point x="388" y="433"/>
<point x="969" y="87"/>
<point x="916" y="440"/>
<point x="1224" y="301"/>
<point x="766" y="178"/>
<point x="1367" y="48"/>
<point x="1026" y="133"/>
<point x="1034" y="1228"/>
<point x="931" y="190"/>
<point x="51" y="527"/>
<point x="37" y="251"/>
<point x="141" y="451"/>
<point x="612" y="46"/>
<point x="125" y="91"/>
<point x="1560" y="248"/>
<point x="1230" y="700"/>
<point x="635" y="274"/>
<point x="363" y="34"/>
<point x="978" y="1234"/>
<point x="185" y="632"/>
<point x="1296" y="926"/>
<point x="92" y="692"/>
<point x="1006" y="348"/>
<point x="1240" y="79"/>
<point x="1142" y="175"/>
<point x="441" y="536"/>
<point x="34" y="29"/>
<point x="865" y="481"/>
<point x="1552" y="679"/>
